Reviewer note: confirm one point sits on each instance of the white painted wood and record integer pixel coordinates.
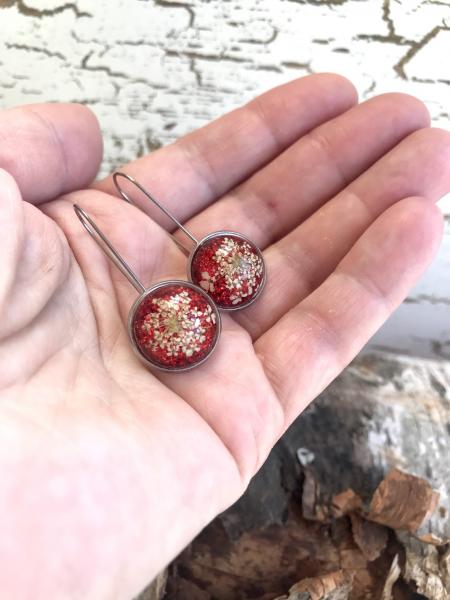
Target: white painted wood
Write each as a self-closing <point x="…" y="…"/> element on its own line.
<point x="153" y="70"/>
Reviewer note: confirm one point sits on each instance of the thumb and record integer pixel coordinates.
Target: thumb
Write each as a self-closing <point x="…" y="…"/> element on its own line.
<point x="35" y="259"/>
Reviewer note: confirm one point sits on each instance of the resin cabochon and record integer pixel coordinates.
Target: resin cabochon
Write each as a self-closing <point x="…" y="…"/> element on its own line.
<point x="228" y="267"/>
<point x="174" y="326"/>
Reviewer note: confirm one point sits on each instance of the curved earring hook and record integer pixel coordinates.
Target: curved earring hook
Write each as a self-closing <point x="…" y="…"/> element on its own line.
<point x="127" y="198"/>
<point x="108" y="248"/>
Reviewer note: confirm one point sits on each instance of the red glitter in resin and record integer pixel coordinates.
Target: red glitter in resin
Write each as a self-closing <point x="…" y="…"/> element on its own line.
<point x="175" y="327"/>
<point x="230" y="269"/>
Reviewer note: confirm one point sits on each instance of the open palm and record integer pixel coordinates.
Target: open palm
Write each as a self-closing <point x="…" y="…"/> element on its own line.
<point x="107" y="468"/>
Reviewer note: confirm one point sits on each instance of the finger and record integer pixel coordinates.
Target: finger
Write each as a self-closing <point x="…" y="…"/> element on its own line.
<point x="50" y="149"/>
<point x="301" y="261"/>
<point x="193" y="172"/>
<point x="35" y="276"/>
<point x="314" y="341"/>
<point x="314" y="169"/>
<point x="34" y="257"/>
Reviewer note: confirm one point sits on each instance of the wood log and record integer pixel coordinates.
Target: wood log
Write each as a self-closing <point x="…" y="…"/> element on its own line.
<point x="359" y="486"/>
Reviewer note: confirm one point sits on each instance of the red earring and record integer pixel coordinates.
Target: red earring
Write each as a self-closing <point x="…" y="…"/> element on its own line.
<point x="226" y="264"/>
<point x="173" y="325"/>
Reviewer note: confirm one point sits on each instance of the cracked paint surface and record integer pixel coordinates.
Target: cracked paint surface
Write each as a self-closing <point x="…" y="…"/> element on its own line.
<point x="152" y="70"/>
<point x="171" y="66"/>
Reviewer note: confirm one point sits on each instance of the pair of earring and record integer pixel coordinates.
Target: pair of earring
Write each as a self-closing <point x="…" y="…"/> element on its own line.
<point x="175" y="325"/>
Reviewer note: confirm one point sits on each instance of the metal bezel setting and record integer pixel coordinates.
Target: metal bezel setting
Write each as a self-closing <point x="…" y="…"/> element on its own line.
<point x="138" y="302"/>
<point x="245" y="239"/>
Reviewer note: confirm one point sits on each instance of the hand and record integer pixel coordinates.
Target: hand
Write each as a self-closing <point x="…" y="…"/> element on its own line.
<point x="109" y="469"/>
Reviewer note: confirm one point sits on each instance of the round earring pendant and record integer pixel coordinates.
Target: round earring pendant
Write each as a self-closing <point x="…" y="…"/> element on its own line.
<point x="230" y="268"/>
<point x="174" y="326"/>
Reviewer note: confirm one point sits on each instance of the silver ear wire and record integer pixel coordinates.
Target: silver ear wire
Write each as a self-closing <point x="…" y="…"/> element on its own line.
<point x="226" y="264"/>
<point x="168" y="214"/>
<point x="108" y="248"/>
<point x="173" y="325"/>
